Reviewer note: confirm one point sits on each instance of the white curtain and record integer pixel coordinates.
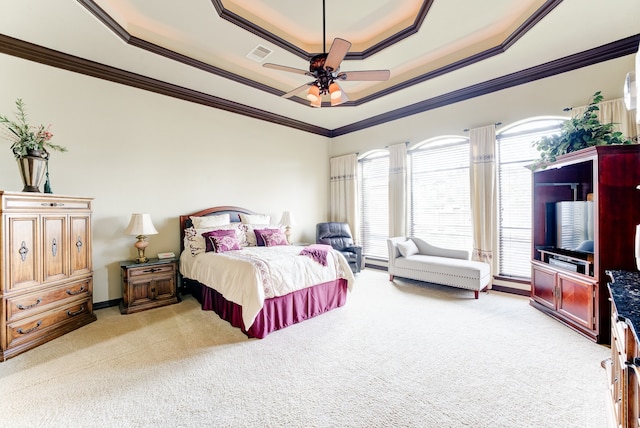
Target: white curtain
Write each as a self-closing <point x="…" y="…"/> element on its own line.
<point x="398" y="190"/>
<point x="343" y="204"/>
<point x="484" y="197"/>
<point x="614" y="111"/>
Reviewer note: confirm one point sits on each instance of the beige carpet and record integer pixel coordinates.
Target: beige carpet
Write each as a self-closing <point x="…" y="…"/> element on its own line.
<point x="403" y="355"/>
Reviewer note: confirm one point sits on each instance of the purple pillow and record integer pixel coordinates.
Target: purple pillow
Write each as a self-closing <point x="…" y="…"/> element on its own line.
<point x="273" y="238"/>
<point x="259" y="238"/>
<point x="223" y="239"/>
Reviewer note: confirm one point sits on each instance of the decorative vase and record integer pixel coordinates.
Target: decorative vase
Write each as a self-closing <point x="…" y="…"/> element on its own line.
<point x="32" y="168"/>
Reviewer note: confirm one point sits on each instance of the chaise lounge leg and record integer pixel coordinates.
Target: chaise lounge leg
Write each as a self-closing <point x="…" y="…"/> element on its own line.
<point x="390" y="277"/>
<point x="476" y="293"/>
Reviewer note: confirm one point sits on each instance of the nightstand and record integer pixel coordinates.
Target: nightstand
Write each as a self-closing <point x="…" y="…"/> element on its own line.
<point x="148" y="285"/>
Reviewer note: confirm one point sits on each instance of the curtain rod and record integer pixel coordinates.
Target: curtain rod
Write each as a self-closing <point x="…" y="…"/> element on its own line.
<point x="496" y="124"/>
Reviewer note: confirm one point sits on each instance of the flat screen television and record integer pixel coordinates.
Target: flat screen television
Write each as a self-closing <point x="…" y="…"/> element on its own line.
<point x="570" y="226"/>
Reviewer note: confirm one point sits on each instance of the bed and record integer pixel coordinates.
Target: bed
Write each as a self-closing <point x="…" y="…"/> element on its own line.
<point x="257" y="288"/>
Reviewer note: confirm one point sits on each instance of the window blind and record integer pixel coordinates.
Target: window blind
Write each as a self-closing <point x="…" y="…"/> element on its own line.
<point x="515" y="152"/>
<point x="439" y="196"/>
<point x="374" y="203"/>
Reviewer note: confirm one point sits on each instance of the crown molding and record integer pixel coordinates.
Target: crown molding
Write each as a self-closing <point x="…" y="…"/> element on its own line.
<point x="42" y="55"/>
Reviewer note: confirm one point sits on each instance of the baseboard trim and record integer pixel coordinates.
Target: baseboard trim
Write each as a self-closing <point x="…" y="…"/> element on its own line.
<point x="511" y="290"/>
<point x="106" y="304"/>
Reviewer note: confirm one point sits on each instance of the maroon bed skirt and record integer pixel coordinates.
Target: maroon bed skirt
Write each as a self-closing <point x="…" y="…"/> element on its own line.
<point x="277" y="312"/>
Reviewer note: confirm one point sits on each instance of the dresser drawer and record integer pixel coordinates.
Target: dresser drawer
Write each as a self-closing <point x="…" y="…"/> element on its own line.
<point x="35" y="202"/>
<point x="148" y="270"/>
<point x="29" y="304"/>
<point x="45" y="323"/>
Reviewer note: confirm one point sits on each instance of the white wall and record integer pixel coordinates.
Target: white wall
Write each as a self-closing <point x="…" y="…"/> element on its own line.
<point x="136" y="151"/>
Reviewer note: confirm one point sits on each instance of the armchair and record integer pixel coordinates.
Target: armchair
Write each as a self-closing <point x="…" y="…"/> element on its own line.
<point x="338" y="235"/>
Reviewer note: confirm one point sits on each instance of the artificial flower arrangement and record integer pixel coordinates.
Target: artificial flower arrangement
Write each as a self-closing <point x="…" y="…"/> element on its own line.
<point x="28" y="140"/>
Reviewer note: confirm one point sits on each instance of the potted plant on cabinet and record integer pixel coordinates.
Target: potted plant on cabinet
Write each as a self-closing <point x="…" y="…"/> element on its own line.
<point x="30" y="146"/>
<point x="579" y="133"/>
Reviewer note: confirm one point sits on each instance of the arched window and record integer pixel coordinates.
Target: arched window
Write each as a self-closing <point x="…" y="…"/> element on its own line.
<point x="440" y="210"/>
<point x="374" y="203"/>
<point x="515" y="152"/>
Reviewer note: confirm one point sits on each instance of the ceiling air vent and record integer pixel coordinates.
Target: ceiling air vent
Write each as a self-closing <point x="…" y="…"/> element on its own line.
<point x="259" y="53"/>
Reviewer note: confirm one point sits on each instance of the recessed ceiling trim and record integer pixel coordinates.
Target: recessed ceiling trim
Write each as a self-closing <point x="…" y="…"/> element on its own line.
<point x="617" y="49"/>
<point x="258" y="31"/>
<point x="42" y="55"/>
<point x="236" y="19"/>
<point x="106" y="19"/>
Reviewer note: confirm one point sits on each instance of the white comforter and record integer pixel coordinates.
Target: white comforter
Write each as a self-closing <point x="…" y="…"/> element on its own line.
<point x="249" y="276"/>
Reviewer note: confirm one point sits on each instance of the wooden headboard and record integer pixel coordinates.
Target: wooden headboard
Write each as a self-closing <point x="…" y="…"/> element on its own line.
<point x="234" y="213"/>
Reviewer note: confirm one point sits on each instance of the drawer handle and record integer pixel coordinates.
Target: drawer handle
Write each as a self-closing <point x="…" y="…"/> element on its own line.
<point x="23" y="251"/>
<point x="52" y="204"/>
<point x="79" y="244"/>
<point x="152" y="270"/>
<point x="21" y="331"/>
<point x="73" y="293"/>
<point x="73" y="314"/>
<point x="22" y="307"/>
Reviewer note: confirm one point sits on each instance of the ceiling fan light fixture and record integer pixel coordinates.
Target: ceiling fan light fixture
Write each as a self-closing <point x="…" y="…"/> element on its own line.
<point x="317" y="102"/>
<point x="335" y="101"/>
<point x="335" y="91"/>
<point x="313" y="94"/>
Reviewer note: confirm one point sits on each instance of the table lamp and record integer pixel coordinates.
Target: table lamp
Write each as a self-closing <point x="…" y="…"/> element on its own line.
<point x="287" y="220"/>
<point x="141" y="226"/>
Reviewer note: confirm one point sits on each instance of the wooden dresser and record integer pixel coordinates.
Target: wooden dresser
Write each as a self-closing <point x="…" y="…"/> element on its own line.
<point x="46" y="283"/>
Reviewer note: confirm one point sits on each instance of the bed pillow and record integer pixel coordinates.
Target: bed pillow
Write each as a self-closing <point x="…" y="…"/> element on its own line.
<point x="250" y="234"/>
<point x="196" y="243"/>
<point x="408" y="248"/>
<point x="255" y="219"/>
<point x="211" y="221"/>
<point x="259" y="232"/>
<point x="273" y="237"/>
<point x="221" y="240"/>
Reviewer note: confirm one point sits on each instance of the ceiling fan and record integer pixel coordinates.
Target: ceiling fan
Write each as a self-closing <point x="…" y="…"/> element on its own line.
<point x="325" y="69"/>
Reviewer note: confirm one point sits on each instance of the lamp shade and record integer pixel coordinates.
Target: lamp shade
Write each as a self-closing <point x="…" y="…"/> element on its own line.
<point x="313" y="94"/>
<point x="140" y="224"/>
<point x="287" y="219"/>
<point x="334" y="90"/>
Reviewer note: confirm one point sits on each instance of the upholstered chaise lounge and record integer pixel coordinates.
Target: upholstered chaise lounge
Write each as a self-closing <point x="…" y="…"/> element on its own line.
<point x="414" y="258"/>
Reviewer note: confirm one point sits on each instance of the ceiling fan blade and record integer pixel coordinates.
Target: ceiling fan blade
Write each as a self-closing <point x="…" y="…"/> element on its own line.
<point x="337" y="52"/>
<point x="285" y="68"/>
<point x="296" y="90"/>
<point x="365" y="75"/>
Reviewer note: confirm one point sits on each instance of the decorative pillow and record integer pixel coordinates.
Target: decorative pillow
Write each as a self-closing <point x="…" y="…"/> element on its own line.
<point x="221" y="240"/>
<point x="274" y="237"/>
<point x="255" y="219"/>
<point x="196" y="243"/>
<point x="259" y="232"/>
<point x="211" y="221"/>
<point x="408" y="248"/>
<point x="249" y="231"/>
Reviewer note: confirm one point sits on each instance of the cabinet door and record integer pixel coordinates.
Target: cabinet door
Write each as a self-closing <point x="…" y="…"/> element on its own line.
<point x="23" y="252"/>
<point x="543" y="285"/>
<point x="138" y="292"/>
<point x="80" y="244"/>
<point x="576" y="299"/>
<point x="163" y="286"/>
<point x="54" y="251"/>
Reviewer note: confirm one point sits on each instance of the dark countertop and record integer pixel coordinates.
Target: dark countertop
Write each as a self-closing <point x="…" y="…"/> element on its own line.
<point x="625" y="290"/>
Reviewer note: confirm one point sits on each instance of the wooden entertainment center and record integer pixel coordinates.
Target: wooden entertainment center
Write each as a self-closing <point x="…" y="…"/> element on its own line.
<point x="569" y="284"/>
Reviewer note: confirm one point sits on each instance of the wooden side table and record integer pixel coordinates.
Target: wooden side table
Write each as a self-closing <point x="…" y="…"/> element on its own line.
<point x="148" y="285"/>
